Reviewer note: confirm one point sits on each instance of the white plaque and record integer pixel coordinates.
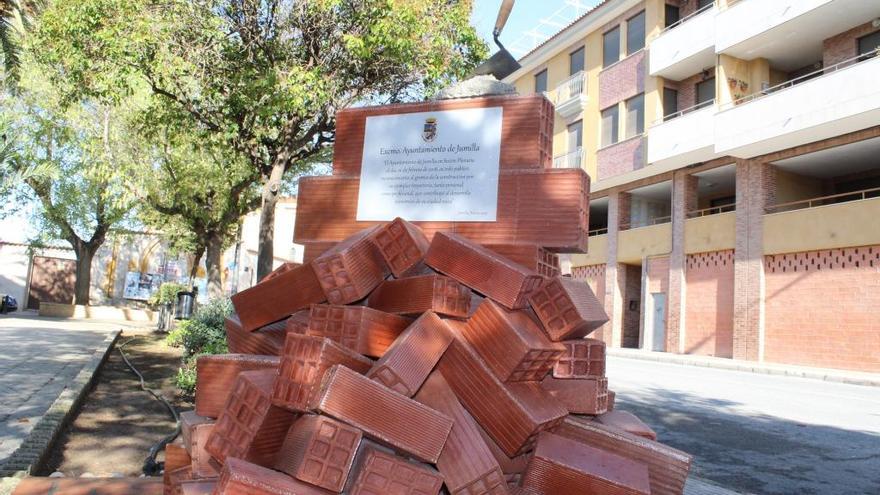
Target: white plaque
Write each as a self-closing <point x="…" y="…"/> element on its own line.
<point x="431" y="166"/>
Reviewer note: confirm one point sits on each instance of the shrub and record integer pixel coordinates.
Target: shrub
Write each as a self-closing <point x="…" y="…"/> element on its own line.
<point x="167" y="294"/>
<point x="204" y="333"/>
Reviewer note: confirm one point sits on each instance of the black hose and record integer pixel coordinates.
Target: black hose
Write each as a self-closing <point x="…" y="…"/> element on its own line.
<point x="151" y="467"/>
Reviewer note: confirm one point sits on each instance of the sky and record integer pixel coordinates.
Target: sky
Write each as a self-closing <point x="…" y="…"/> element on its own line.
<point x="527" y="16"/>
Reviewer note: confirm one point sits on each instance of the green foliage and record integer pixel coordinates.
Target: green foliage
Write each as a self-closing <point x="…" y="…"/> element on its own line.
<point x="167" y="294"/>
<point x="203" y="334"/>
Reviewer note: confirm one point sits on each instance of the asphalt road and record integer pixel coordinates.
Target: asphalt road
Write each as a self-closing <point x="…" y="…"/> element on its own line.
<point x="757" y="433"/>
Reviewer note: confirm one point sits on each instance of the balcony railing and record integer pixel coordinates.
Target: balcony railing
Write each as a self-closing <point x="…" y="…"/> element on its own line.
<point x="572" y="159"/>
<point x="646" y="223"/>
<point x="572" y="87"/>
<point x="595" y="232"/>
<point x="824" y="200"/>
<point x="711" y="211"/>
<point x="698" y="106"/>
<point x="801" y="79"/>
<point x="688" y="17"/>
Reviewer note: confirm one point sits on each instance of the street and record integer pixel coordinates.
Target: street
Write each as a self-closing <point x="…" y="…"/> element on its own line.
<point x="757" y="433"/>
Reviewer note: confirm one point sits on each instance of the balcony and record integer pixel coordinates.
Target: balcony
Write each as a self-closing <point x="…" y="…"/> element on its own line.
<point x="833" y="101"/>
<point x="683" y="138"/>
<point x="638" y="243"/>
<point x="570" y="97"/>
<point x="784" y="30"/>
<point x="572" y="159"/>
<point x="686" y="47"/>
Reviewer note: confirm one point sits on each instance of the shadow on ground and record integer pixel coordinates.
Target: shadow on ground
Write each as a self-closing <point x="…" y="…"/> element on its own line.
<point x="755" y="453"/>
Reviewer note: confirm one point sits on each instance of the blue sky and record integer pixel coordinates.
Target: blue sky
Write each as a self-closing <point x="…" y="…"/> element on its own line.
<point x="526" y="17"/>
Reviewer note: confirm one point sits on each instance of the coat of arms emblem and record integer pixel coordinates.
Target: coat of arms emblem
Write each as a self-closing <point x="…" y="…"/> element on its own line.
<point x="429" y="133"/>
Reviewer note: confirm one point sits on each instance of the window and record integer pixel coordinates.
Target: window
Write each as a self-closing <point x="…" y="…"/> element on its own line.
<point x="576" y="136"/>
<point x="541" y="81"/>
<point x="670" y="102"/>
<point x="576" y="61"/>
<point x="611" y="47"/>
<point x="609" y="126"/>
<point x="702" y="4"/>
<point x="868" y="44"/>
<point x="672" y="14"/>
<point x="635" y="116"/>
<point x="635" y="33"/>
<point x="706" y="92"/>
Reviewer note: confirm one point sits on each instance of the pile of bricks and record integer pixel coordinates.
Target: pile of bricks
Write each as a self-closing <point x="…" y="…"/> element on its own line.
<point x="391" y="364"/>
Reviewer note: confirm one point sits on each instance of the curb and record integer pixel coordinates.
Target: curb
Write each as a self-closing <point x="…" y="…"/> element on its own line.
<point x="31" y="454"/>
<point x="823" y="374"/>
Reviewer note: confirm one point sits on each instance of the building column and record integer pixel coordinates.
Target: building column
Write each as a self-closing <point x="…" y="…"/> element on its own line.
<point x="684" y="199"/>
<point x="755" y="188"/>
<point x="615" y="275"/>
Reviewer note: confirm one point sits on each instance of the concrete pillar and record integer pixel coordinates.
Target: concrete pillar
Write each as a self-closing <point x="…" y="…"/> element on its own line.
<point x="755" y="188"/>
<point x="684" y="199"/>
<point x="615" y="275"/>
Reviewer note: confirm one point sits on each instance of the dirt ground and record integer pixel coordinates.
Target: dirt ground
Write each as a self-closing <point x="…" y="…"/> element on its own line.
<point x="118" y="422"/>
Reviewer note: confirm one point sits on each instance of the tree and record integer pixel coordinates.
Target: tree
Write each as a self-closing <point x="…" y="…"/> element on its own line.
<point x="68" y="161"/>
<point x="15" y="17"/>
<point x="264" y="77"/>
<point x="196" y="191"/>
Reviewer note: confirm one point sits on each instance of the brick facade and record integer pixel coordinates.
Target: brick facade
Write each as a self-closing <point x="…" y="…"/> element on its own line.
<point x="709" y="304"/>
<point x="845" y="45"/>
<point x="621" y="158"/>
<point x="632" y="304"/>
<point x="684" y="199"/>
<point x="821" y="308"/>
<point x="656" y="281"/>
<point x="623" y="80"/>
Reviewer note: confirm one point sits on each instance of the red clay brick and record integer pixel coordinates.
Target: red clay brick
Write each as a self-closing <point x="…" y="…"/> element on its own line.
<point x="668" y="468"/>
<point x="409" y="361"/>
<point x="628" y="422"/>
<point x="267" y="340"/>
<point x="351" y="269"/>
<point x="365" y="330"/>
<point x="415" y="295"/>
<point x="277" y="298"/>
<point x="582" y="358"/>
<point x="320" y="451"/>
<point x="282" y="268"/>
<point x="240" y="477"/>
<point x="611" y="397"/>
<point x="567" y="467"/>
<point x="195" y="431"/>
<point x="216" y="375"/>
<point x="403" y="246"/>
<point x="486" y="272"/>
<point x="512" y="414"/>
<point x="197" y="487"/>
<point x="579" y="396"/>
<point x="297" y="323"/>
<point x="383" y="473"/>
<point x="172" y="478"/>
<point x="89" y="486"/>
<point x="531" y="256"/>
<point x="303" y="364"/>
<point x="383" y="414"/>
<point x="511" y="343"/>
<point x="466" y="463"/>
<point x="250" y="427"/>
<point x="568" y="309"/>
<point x="509" y="465"/>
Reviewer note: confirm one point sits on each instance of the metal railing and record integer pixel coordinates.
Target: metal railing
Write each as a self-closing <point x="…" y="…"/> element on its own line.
<point x="711" y="211"/>
<point x="595" y="232"/>
<point x="850" y="62"/>
<point x="572" y="159"/>
<point x="824" y="200"/>
<point x="698" y="106"/>
<point x="688" y="17"/>
<point x="571" y="88"/>
<point x="646" y="223"/>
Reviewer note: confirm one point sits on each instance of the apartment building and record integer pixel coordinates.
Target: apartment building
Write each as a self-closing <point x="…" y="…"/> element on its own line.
<point x="734" y="151"/>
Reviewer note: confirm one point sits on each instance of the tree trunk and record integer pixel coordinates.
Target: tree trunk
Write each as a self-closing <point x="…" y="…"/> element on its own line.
<point x="194" y="269"/>
<point x="271" y="190"/>
<point x="213" y="262"/>
<point x="82" y="287"/>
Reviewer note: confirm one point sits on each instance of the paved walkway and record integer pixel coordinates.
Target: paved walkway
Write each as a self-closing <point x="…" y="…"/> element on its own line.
<point x="758" y="433"/>
<point x="39" y="357"/>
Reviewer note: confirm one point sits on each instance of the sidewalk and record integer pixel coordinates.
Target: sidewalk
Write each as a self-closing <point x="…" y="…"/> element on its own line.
<point x="828" y="375"/>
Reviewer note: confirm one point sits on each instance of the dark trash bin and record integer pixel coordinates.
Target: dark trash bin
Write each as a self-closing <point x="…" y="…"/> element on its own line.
<point x="8" y="304"/>
<point x="185" y="302"/>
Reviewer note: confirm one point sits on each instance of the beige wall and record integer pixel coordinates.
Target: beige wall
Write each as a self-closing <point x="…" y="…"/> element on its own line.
<point x="794" y="187"/>
<point x="825" y="227"/>
<point x="636" y="244"/>
<point x="598" y="252"/>
<point x="710" y="233"/>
